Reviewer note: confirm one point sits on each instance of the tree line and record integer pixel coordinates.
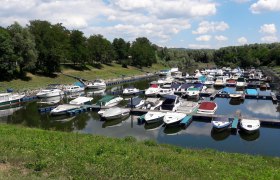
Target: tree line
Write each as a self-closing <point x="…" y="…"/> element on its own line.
<point x="233" y="56"/>
<point x="41" y="47"/>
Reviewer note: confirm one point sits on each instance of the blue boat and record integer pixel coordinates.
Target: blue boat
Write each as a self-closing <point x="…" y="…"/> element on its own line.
<point x="251" y="92"/>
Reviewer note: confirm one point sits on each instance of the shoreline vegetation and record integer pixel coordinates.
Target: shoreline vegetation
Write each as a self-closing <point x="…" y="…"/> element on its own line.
<point x="33" y="153"/>
<point x="113" y="71"/>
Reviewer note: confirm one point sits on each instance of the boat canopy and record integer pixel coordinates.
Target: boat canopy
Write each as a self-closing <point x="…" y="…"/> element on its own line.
<point x="152" y="101"/>
<point x="251" y="92"/>
<point x="79" y="84"/>
<point x="198" y="85"/>
<point x="175" y="85"/>
<point x="186" y="86"/>
<point x="227" y="90"/>
<point x="105" y="99"/>
<point x="134" y="102"/>
<point x="208" y="105"/>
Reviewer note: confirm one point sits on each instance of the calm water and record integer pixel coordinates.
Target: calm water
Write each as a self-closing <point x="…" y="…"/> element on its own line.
<point x="197" y="135"/>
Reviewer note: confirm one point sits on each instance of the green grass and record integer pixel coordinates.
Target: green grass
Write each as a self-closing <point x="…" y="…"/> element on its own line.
<point x="32" y="154"/>
<point x="106" y="72"/>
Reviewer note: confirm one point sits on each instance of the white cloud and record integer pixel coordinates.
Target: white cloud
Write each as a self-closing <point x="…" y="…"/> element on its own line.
<point x="168" y="8"/>
<point x="199" y="46"/>
<point x="221" y="38"/>
<point x="206" y="26"/>
<point x="241" y="1"/>
<point x="268" y="29"/>
<point x="242" y="40"/>
<point x="265" y="5"/>
<point x="204" y="38"/>
<point x="269" y="39"/>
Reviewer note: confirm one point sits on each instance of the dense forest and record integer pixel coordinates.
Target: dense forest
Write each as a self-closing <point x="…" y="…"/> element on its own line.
<point x="41" y="47"/>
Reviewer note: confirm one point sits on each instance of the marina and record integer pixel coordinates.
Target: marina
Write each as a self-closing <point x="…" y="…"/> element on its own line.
<point x="187" y="122"/>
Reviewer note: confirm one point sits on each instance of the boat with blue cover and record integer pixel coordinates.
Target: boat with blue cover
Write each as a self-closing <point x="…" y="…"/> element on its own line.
<point x="251" y="92"/>
<point x="136" y="102"/>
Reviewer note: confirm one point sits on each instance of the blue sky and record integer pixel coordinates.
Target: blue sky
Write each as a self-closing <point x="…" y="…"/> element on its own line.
<point x="171" y="23"/>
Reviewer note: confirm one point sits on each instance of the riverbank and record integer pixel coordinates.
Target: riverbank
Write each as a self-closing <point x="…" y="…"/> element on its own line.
<point x="35" y="81"/>
<point x="34" y="153"/>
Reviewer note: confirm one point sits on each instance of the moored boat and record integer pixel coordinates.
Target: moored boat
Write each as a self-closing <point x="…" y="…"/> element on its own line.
<point x="187" y="107"/>
<point x="96" y="84"/>
<point x="172" y="118"/>
<point x="130" y="91"/>
<point x="73" y="89"/>
<point x="220" y="124"/>
<point x="153" y="90"/>
<point x="136" y="102"/>
<point x="109" y="101"/>
<point x="7" y="99"/>
<point x="114" y="113"/>
<point x="49" y="92"/>
<point x="81" y="100"/>
<point x="152" y="103"/>
<point x="171" y="103"/>
<point x="249" y="125"/>
<point x="207" y="107"/>
<point x="63" y="109"/>
<point x="152" y="117"/>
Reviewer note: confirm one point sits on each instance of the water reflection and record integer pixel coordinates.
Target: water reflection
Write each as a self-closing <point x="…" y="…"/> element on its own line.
<point x="153" y="126"/>
<point x="220" y="135"/>
<point x="236" y="101"/>
<point x="50" y="100"/>
<point x="249" y="136"/>
<point x="172" y="130"/>
<point x="8" y="111"/>
<point x="113" y="122"/>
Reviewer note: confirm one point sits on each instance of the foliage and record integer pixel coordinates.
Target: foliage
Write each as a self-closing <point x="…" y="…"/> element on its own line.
<point x="32" y="154"/>
<point x="100" y="49"/>
<point x="78" y="49"/>
<point x="24" y="47"/>
<point x="7" y="57"/>
<point x="142" y="52"/>
<point x="122" y="50"/>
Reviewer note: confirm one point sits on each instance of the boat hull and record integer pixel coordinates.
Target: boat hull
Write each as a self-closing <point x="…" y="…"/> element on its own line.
<point x="118" y="116"/>
<point x="153" y="117"/>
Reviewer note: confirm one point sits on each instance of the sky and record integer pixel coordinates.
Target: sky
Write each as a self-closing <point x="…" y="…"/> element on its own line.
<point x="191" y="24"/>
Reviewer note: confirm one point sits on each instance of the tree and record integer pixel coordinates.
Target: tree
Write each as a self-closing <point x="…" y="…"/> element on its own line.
<point x="100" y="49"/>
<point x="142" y="52"/>
<point x="121" y="49"/>
<point x="24" y="47"/>
<point x="7" y="58"/>
<point x="78" y="49"/>
<point x="51" y="43"/>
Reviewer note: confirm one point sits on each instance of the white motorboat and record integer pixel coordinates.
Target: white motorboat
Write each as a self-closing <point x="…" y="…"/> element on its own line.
<point x="109" y="101"/>
<point x="220" y="124"/>
<point x="136" y="102"/>
<point x="187" y="107"/>
<point x="171" y="103"/>
<point x="192" y="92"/>
<point x="153" y="90"/>
<point x="152" y="103"/>
<point x="220" y="81"/>
<point x="130" y="91"/>
<point x="62" y="109"/>
<point x="73" y="89"/>
<point x="74" y="104"/>
<point x="241" y="82"/>
<point x="250" y="125"/>
<point x="49" y="92"/>
<point x="114" y="113"/>
<point x="165" y="91"/>
<point x="173" y="117"/>
<point x="7" y="99"/>
<point x="209" y="81"/>
<point x="81" y="100"/>
<point x="207" y="107"/>
<point x="96" y="84"/>
<point x="152" y="117"/>
<point x="167" y="80"/>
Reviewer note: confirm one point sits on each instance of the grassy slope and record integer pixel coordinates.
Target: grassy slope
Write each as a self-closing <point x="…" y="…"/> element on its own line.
<point x="32" y="153"/>
<point x="107" y="72"/>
